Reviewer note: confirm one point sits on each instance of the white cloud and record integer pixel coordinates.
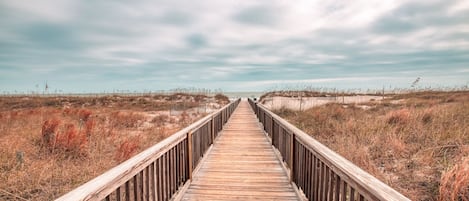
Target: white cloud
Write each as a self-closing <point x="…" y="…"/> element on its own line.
<point x="459" y="7"/>
<point x="48" y="10"/>
<point x="214" y="41"/>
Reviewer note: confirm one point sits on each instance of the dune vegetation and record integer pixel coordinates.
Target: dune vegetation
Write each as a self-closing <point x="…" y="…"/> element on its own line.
<point x="50" y="145"/>
<point x="418" y="143"/>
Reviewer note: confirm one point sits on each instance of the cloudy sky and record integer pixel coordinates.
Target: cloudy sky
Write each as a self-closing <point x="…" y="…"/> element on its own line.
<point x="96" y="46"/>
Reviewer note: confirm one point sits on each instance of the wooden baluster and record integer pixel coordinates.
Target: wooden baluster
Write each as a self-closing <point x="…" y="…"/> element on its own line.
<point x="212" y="132"/>
<point x="320" y="179"/>
<point x="292" y="152"/>
<point x="315" y="179"/>
<point x="300" y="167"/>
<point x="331" y="184"/>
<point x="175" y="168"/>
<point x="337" y="188"/>
<point x="352" y="194"/>
<point x="164" y="179"/>
<point x="184" y="160"/>
<point x="147" y="182"/>
<point x="170" y="172"/>
<point x="344" y="191"/>
<point x="135" y="188"/>
<point x="178" y="165"/>
<point x="306" y="167"/>
<point x="159" y="178"/>
<point x="168" y="175"/>
<point x="361" y="198"/>
<point x="153" y="180"/>
<point x="127" y="190"/>
<point x="189" y="152"/>
<point x="118" y="194"/>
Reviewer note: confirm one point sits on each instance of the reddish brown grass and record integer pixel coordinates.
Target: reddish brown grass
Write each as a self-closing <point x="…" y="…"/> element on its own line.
<point x="84" y="115"/>
<point x="127" y="148"/>
<point x="49" y="132"/>
<point x="72" y="141"/>
<point x="65" y="141"/>
<point x="89" y="126"/>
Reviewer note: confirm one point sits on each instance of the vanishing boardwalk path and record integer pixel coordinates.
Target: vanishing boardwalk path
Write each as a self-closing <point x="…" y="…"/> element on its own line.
<point x="241" y="165"/>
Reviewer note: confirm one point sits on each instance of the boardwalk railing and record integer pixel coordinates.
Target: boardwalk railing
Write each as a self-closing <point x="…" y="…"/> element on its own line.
<point x="161" y="170"/>
<point x="320" y="173"/>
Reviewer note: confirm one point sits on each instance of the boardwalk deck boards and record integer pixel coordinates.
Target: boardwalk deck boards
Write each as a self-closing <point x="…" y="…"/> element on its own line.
<point x="241" y="165"/>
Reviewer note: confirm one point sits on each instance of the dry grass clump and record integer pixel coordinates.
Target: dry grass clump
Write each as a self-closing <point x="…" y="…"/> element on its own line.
<point x="427" y="116"/>
<point x="72" y="137"/>
<point x="222" y="99"/>
<point x="48" y="146"/>
<point x="49" y="131"/>
<point x="413" y="142"/>
<point x="454" y="185"/>
<point x="71" y="141"/>
<point x="401" y="116"/>
<point x="127" y="148"/>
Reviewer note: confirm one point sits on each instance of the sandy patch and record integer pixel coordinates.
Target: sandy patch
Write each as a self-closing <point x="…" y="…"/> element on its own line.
<point x="304" y="103"/>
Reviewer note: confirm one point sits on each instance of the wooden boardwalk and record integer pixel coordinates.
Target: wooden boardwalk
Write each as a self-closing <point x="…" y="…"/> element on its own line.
<point x="241" y="165"/>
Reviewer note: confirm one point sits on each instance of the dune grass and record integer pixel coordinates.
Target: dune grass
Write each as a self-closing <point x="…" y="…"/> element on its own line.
<point x="50" y="145"/>
<point x="418" y="143"/>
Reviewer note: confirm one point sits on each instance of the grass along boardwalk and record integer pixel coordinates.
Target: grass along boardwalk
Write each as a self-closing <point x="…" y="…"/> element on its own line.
<point x="241" y="165"/>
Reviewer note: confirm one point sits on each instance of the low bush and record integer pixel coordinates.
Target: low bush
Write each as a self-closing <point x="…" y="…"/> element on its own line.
<point x="63" y="138"/>
<point x="71" y="140"/>
<point x="49" y="132"/>
<point x="127" y="148"/>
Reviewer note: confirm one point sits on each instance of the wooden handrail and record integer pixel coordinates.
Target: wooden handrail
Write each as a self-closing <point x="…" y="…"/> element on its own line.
<point x="157" y="172"/>
<point x="319" y="172"/>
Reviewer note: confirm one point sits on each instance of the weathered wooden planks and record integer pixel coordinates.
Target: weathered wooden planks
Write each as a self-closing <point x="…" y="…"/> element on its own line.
<point x="241" y="165"/>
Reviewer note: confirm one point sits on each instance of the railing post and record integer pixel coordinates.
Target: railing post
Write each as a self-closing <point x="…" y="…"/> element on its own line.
<point x="189" y="151"/>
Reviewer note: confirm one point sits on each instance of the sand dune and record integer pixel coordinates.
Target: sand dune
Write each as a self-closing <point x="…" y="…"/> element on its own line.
<point x="296" y="103"/>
